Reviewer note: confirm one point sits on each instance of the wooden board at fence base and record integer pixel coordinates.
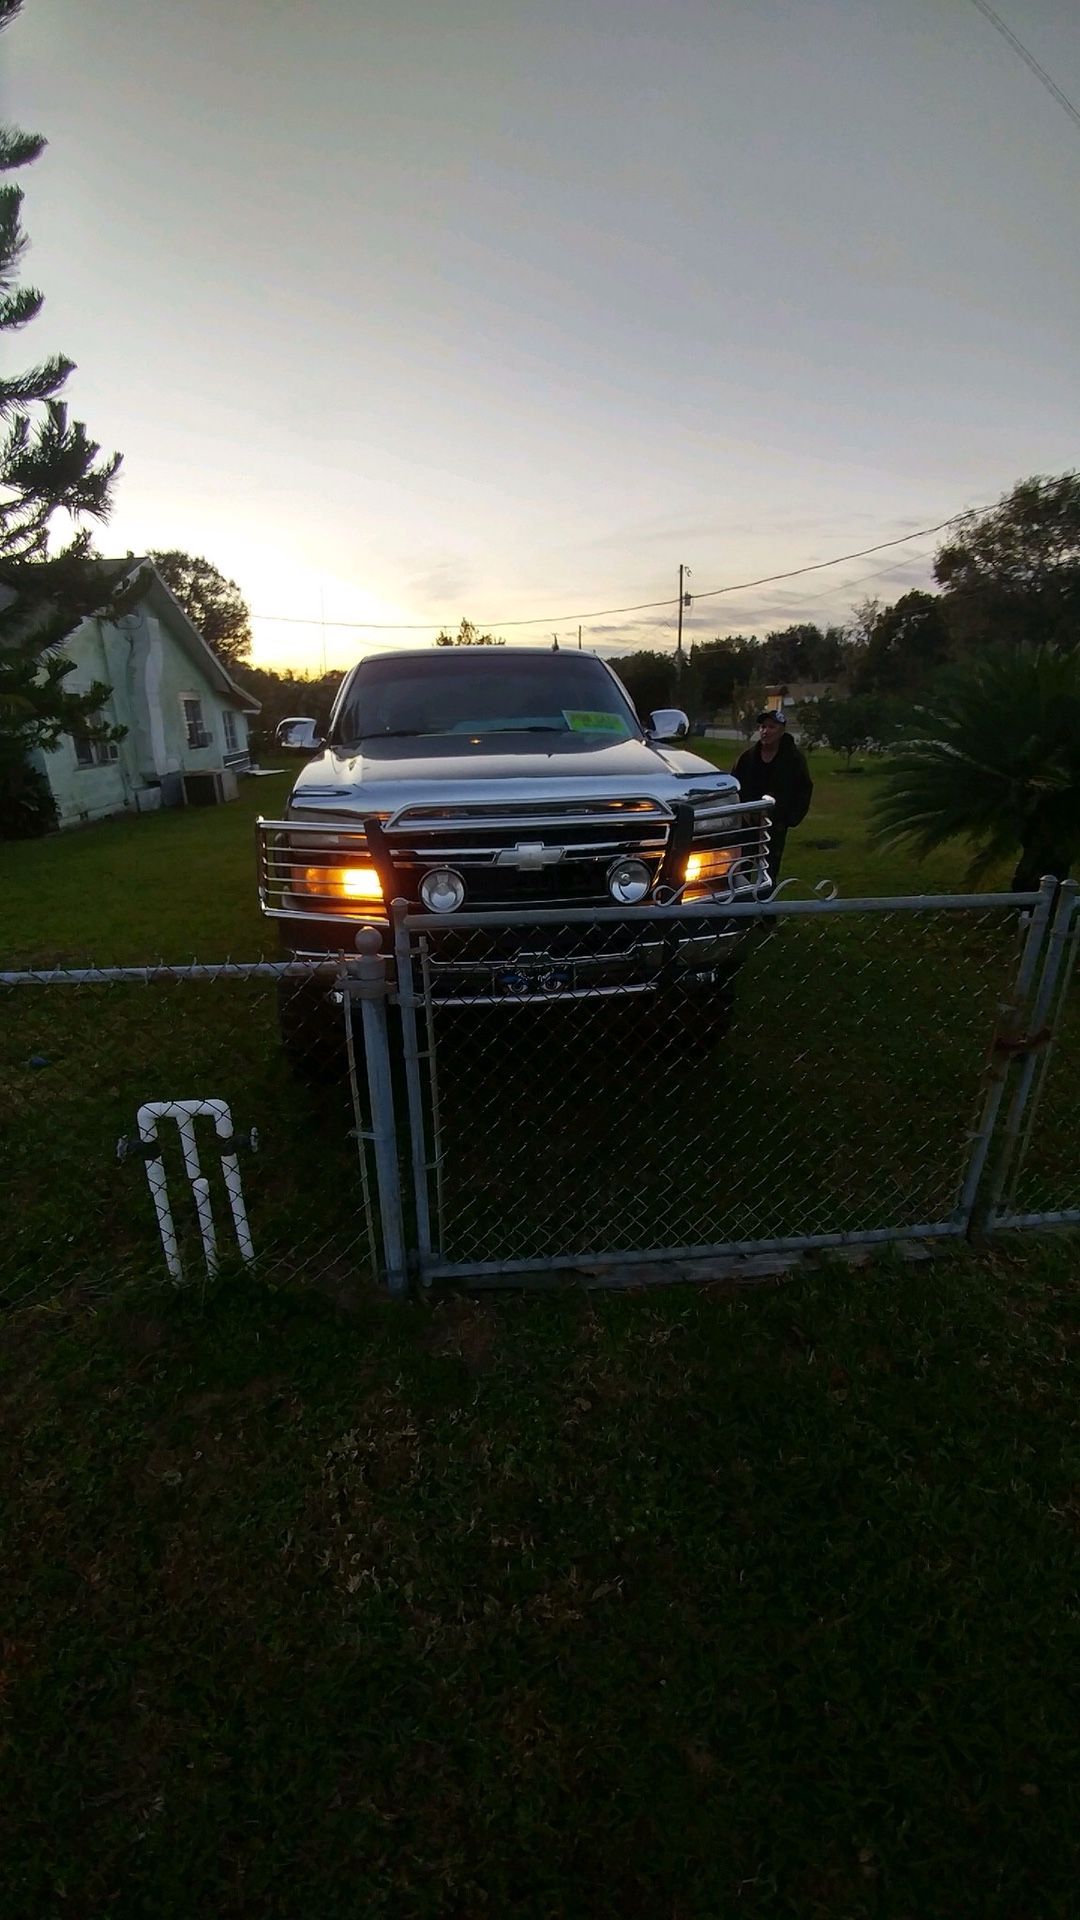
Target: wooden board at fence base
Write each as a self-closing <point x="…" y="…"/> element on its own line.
<point x="739" y="1270"/>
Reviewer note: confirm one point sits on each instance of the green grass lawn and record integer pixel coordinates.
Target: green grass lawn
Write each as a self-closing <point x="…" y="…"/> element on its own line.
<point x="169" y="886"/>
<point x="683" y="1606"/>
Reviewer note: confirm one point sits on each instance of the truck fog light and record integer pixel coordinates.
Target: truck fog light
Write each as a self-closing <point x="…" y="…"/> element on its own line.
<point x="442" y="890"/>
<point x="629" y="881"/>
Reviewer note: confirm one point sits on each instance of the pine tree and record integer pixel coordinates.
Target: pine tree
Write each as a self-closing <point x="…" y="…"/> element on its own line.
<point x="48" y="464"/>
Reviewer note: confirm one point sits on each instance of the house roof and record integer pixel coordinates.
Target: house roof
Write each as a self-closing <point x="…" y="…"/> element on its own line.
<point x="165" y="604"/>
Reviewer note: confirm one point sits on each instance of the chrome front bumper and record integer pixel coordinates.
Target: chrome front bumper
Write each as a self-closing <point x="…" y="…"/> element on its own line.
<point x="512" y="968"/>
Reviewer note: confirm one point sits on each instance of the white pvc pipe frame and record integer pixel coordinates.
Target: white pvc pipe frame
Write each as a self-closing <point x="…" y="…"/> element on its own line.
<point x="185" y="1113"/>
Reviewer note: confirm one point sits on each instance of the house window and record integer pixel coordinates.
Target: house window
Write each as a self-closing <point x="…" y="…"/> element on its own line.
<point x="90" y="752"/>
<point x="197" y="735"/>
<point x="228" y="721"/>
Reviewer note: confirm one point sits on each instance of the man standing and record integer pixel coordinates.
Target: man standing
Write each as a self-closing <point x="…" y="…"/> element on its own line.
<point x="776" y="766"/>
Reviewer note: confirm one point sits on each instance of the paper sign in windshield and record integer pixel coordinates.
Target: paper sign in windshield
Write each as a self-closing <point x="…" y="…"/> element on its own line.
<point x="579" y="721"/>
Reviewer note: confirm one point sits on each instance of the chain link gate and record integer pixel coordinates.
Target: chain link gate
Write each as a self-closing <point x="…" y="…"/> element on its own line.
<point x="591" y="1090"/>
<point x="1037" y="1176"/>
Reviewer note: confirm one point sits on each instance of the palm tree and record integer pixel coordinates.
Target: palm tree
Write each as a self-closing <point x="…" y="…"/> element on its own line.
<point x="993" y="758"/>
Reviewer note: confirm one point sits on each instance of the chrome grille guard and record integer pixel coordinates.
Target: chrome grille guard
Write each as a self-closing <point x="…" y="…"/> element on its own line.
<point x="476" y="840"/>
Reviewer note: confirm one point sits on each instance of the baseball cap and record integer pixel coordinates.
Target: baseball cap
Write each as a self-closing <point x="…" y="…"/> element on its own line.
<point x="778" y="719"/>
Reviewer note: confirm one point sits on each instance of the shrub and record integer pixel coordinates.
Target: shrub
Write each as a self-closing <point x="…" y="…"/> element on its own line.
<point x="27" y="807"/>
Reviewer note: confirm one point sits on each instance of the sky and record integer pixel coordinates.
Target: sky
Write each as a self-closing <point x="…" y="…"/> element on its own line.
<point x="407" y="310"/>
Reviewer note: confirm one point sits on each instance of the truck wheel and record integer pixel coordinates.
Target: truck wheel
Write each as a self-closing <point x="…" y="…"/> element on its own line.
<point x="312" y="1030"/>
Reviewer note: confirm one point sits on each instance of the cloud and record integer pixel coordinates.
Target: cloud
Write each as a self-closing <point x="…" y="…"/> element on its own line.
<point x="679" y="534"/>
<point x="441" y="584"/>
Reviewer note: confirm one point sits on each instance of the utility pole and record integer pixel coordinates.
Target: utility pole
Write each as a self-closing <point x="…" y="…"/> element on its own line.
<point x="579" y="639"/>
<point x="684" y="601"/>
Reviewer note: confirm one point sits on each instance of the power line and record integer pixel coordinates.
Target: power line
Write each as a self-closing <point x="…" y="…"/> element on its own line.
<point x="435" y="626"/>
<point x="903" y="540"/>
<point x="1029" y="59"/>
<point x="808" y="599"/>
<point x="601" y="613"/>
<point x="860" y="579"/>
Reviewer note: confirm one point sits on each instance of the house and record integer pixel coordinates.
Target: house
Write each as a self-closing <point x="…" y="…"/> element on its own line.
<point x="186" y="718"/>
<point x="791" y="697"/>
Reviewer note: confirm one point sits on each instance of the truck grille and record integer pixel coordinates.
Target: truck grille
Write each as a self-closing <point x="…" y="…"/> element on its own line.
<point x="572" y="883"/>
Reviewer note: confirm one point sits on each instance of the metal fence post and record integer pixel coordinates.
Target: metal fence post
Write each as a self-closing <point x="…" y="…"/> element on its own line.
<point x="367" y="979"/>
<point x="1013" y="1149"/>
<point x="973" y="1211"/>
<point x="406" y="994"/>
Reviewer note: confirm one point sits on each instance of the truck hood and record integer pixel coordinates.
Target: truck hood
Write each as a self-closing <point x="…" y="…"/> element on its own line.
<point x="383" y="775"/>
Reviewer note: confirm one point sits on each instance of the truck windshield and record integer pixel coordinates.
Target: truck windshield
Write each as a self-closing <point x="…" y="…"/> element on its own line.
<point x="489" y="692"/>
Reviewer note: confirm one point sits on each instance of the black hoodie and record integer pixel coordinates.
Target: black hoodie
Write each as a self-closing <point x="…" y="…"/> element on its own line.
<point x="787" y="778"/>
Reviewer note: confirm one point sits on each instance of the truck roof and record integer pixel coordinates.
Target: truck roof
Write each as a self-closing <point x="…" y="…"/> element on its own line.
<point x="448" y="653"/>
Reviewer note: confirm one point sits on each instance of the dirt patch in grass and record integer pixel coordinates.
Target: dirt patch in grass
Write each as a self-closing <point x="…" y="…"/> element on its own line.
<point x="466" y="1329"/>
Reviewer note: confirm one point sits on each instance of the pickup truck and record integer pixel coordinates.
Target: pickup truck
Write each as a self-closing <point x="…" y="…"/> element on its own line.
<point x="518" y="781"/>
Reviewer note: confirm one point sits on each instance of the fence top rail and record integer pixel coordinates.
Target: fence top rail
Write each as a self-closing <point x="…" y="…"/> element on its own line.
<point x="775" y="909"/>
<point x="149" y="975"/>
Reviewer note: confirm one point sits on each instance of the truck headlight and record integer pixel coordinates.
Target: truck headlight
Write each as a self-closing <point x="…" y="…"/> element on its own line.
<point x="629" y="881"/>
<point x="442" y="890"/>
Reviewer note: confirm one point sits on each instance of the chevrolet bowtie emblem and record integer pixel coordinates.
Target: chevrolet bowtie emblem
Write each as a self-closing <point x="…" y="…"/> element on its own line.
<point x="528" y="855"/>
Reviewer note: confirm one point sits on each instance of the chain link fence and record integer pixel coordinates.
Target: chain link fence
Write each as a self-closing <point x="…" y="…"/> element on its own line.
<point x="99" y="1188"/>
<point x="501" y="1096"/>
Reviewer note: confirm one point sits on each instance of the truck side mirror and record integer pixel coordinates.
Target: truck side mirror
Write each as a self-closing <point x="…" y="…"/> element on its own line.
<point x="298" y="736"/>
<point x="668" y="723"/>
